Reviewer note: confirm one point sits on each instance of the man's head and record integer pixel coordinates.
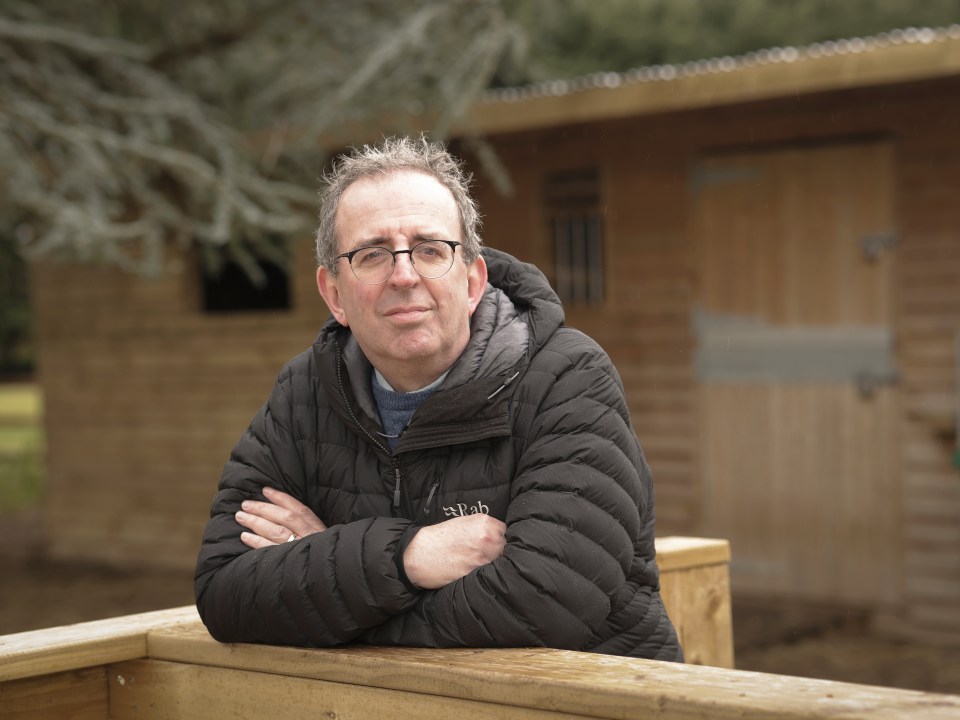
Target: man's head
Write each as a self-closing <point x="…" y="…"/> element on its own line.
<point x="394" y="155"/>
<point x="411" y="323"/>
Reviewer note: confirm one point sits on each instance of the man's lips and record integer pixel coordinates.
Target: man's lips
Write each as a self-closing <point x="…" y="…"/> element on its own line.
<point x="409" y="312"/>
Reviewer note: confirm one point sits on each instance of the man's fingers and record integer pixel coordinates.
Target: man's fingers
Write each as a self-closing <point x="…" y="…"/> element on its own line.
<point x="286" y="510"/>
<point x="275" y="521"/>
<point x="300" y="519"/>
<point x="272" y="532"/>
<point x="267" y="511"/>
<point x="254" y="541"/>
<point x="282" y="499"/>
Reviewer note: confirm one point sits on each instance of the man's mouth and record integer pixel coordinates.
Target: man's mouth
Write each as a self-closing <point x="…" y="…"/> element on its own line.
<point x="405" y="313"/>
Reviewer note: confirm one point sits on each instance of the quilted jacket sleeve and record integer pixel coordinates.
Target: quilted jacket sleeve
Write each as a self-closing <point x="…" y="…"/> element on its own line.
<point x="319" y="591"/>
<point x="581" y="510"/>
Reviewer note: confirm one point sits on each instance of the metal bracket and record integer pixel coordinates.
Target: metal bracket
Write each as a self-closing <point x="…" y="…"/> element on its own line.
<point x="868" y="383"/>
<point x="876" y="243"/>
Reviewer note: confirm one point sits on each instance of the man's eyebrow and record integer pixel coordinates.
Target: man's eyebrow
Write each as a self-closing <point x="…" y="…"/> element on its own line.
<point x="380" y="240"/>
<point x="369" y="242"/>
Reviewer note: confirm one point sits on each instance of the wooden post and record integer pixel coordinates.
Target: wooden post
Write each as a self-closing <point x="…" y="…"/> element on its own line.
<point x="695" y="585"/>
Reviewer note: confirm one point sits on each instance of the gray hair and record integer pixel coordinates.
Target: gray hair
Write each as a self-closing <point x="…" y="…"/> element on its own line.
<point x="396" y="155"/>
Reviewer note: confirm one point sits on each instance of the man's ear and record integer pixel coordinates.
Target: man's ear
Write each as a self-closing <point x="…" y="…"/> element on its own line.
<point x="327" y="285"/>
<point x="476" y="281"/>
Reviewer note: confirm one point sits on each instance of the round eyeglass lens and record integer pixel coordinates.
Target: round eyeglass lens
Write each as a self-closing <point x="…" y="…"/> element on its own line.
<point x="372" y="265"/>
<point x="432" y="259"/>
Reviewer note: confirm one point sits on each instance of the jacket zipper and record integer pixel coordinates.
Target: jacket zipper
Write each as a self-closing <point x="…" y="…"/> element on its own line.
<point x="398" y="505"/>
<point x="396" y="489"/>
<point x="346" y="401"/>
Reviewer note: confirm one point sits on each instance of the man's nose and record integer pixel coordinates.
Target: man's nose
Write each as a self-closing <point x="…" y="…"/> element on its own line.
<point x="403" y="270"/>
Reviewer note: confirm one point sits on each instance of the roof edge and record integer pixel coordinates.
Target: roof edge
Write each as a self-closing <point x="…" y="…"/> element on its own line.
<point x="898" y="56"/>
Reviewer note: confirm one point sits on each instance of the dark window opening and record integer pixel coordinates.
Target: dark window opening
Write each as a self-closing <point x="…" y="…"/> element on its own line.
<point x="232" y="288"/>
<point x="572" y="203"/>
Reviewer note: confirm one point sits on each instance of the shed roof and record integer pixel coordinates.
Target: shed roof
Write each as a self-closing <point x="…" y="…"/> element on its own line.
<point x="898" y="56"/>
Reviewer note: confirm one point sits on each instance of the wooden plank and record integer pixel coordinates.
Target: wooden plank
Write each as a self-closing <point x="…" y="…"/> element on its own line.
<point x="548" y="680"/>
<point x="53" y="650"/>
<point x="680" y="553"/>
<point x="695" y="587"/>
<point x="79" y="695"/>
<point x="157" y="690"/>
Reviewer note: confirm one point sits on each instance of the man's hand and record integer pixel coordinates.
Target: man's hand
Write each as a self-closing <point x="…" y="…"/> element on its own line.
<point x="442" y="553"/>
<point x="282" y="519"/>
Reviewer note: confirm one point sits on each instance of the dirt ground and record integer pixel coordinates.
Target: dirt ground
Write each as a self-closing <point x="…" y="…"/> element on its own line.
<point x="786" y="640"/>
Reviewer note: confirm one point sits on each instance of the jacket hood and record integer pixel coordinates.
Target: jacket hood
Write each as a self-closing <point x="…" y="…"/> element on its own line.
<point x="529" y="291"/>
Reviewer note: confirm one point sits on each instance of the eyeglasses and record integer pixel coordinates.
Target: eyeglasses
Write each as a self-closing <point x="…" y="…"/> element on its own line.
<point x="374" y="265"/>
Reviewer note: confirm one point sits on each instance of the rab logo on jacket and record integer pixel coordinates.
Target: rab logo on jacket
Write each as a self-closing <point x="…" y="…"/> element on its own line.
<point x="461" y="509"/>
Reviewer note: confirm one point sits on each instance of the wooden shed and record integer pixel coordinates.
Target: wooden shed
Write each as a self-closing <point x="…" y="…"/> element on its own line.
<point x="768" y="247"/>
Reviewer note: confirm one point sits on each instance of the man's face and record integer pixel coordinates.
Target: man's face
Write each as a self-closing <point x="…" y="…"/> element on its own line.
<point x="411" y="328"/>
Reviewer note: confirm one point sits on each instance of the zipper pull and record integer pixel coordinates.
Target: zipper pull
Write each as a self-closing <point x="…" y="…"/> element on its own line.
<point x="396" y="490"/>
<point x="426" y="505"/>
<point x="506" y="382"/>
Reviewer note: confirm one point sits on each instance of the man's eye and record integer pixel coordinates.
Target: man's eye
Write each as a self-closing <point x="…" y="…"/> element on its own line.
<point x="371" y="256"/>
<point x="429" y="251"/>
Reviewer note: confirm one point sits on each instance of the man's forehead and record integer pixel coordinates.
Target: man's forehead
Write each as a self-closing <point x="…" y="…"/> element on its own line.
<point x="383" y="199"/>
<point x="415" y="181"/>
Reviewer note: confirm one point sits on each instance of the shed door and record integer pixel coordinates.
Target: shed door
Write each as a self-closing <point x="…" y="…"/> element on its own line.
<point x="797" y="385"/>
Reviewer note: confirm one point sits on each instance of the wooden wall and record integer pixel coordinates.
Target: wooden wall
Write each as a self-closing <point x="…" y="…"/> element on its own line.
<point x="145" y="396"/>
<point x="646" y="166"/>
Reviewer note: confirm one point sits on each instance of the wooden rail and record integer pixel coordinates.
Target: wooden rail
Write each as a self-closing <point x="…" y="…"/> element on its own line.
<point x="165" y="665"/>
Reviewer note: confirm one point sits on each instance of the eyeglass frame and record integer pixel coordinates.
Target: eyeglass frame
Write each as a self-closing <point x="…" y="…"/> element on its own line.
<point x="454" y="244"/>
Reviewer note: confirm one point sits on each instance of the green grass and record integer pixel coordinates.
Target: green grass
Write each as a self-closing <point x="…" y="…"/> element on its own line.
<point x="19" y="438"/>
<point x="21" y="447"/>
<point x="20" y="401"/>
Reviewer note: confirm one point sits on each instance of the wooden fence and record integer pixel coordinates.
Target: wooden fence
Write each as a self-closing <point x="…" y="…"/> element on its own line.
<point x="165" y="665"/>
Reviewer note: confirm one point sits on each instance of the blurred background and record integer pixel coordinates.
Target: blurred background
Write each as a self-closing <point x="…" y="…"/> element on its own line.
<point x="750" y="204"/>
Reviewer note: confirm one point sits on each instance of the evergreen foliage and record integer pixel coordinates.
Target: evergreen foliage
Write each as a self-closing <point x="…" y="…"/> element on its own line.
<point x="568" y="38"/>
<point x="124" y="125"/>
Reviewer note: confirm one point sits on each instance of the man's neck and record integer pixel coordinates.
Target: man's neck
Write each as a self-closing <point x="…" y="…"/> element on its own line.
<point x="405" y="388"/>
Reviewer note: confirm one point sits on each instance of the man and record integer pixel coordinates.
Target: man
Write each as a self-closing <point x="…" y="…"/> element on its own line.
<point x="447" y="465"/>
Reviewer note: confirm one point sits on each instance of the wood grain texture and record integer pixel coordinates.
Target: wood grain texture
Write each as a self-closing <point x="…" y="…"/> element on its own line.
<point x="156" y="690"/>
<point x="89" y="644"/>
<point x="801" y="473"/>
<point x="78" y="695"/>
<point x="554" y="681"/>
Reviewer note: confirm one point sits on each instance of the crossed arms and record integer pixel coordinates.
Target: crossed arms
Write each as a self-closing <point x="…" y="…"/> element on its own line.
<point x="436" y="556"/>
<point x="548" y="576"/>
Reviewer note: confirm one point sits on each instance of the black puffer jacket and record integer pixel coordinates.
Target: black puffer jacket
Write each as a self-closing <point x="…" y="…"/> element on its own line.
<point x="530" y="426"/>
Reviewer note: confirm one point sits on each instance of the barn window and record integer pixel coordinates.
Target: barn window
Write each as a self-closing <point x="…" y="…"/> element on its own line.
<point x="256" y="283"/>
<point x="572" y="203"/>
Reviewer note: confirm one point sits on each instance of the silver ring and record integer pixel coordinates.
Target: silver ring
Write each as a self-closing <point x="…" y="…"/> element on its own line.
<point x="293" y="536"/>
